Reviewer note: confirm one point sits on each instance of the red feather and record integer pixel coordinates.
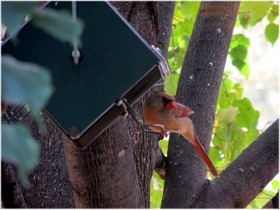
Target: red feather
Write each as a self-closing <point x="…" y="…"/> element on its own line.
<point x="171" y="105"/>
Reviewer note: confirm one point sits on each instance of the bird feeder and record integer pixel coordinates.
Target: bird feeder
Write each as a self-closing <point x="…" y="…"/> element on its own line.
<point x="116" y="69"/>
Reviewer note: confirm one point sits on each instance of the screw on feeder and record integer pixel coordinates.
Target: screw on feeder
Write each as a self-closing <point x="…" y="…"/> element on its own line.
<point x="75" y="53"/>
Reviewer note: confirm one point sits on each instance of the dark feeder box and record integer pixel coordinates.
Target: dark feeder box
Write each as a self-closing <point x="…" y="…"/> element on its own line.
<point x="116" y="65"/>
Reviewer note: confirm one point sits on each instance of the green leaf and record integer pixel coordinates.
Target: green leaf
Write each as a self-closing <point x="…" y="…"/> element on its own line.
<point x="163" y="144"/>
<point x="272" y="32"/>
<point x="19" y="148"/>
<point x="239" y="64"/>
<point x="262" y="199"/>
<point x="59" y="24"/>
<point x="275" y="184"/>
<point x="251" y="12"/>
<point x="156" y="193"/>
<point x="245" y="71"/>
<point x="228" y="83"/>
<point x="227" y="115"/>
<point x="239" y="39"/>
<point x="238" y="55"/>
<point x="171" y="83"/>
<point x="189" y="9"/>
<point x="239" y="52"/>
<point x="273" y="13"/>
<point x="214" y="155"/>
<point x="14" y="13"/>
<point x="243" y="67"/>
<point x="248" y="117"/>
<point x="182" y="26"/>
<point x="26" y="83"/>
<point x="238" y="90"/>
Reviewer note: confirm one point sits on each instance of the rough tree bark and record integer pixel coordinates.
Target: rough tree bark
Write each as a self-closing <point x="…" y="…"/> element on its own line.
<point x="50" y="185"/>
<point x="115" y="170"/>
<point x="185" y="186"/>
<point x="243" y="180"/>
<point x="198" y="88"/>
<point x="49" y="182"/>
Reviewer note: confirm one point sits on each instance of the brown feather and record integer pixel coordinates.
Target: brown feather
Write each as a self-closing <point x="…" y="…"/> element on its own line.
<point x="174" y="120"/>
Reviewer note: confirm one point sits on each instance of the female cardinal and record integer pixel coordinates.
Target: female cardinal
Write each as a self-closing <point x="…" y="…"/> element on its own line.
<point x="161" y="108"/>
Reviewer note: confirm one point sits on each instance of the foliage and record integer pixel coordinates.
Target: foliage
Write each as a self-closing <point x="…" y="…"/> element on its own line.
<point x="236" y="119"/>
<point x="13" y="14"/>
<point x="182" y="26"/>
<point x="157" y="183"/>
<point x="23" y="152"/>
<point x="28" y="83"/>
<point x="251" y="13"/>
<point x="58" y="24"/>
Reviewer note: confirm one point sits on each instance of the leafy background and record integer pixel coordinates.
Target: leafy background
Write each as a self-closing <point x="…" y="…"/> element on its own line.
<point x="246" y="83"/>
<point x="237" y="122"/>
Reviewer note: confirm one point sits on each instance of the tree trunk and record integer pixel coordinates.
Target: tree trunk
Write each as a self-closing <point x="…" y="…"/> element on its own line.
<point x="115" y="170"/>
<point x="198" y="88"/>
<point x="243" y="180"/>
<point x="50" y="185"/>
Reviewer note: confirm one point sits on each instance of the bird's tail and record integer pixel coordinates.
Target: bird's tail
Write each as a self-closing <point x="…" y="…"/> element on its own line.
<point x="202" y="153"/>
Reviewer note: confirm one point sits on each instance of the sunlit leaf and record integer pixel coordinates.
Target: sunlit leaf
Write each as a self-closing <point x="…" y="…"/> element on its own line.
<point x="228" y="83"/>
<point x="19" y="148"/>
<point x="156" y="193"/>
<point x="227" y="115"/>
<point x="238" y="90"/>
<point x="24" y="82"/>
<point x="59" y="24"/>
<point x="239" y="39"/>
<point x="245" y="70"/>
<point x="14" y="13"/>
<point x="262" y="199"/>
<point x="272" y="32"/>
<point x="190" y="9"/>
<point x="248" y="116"/>
<point x="273" y="13"/>
<point x="214" y="155"/>
<point x="275" y="184"/>
<point x="239" y="64"/>
<point x="163" y="144"/>
<point x="252" y="12"/>
<point x="239" y="52"/>
<point x="171" y="83"/>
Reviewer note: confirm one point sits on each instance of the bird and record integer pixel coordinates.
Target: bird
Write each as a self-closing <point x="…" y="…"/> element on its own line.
<point x="161" y="108"/>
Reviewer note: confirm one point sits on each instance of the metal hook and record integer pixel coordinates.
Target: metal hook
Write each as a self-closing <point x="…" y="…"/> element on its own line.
<point x="138" y="119"/>
<point x="19" y="112"/>
<point x="16" y="113"/>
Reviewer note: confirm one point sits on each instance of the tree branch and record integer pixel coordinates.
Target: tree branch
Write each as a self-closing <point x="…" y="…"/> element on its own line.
<point x="166" y="12"/>
<point x="198" y="88"/>
<point x="243" y="180"/>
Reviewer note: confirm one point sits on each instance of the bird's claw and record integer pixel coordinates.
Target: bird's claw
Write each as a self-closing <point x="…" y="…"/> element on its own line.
<point x="165" y="133"/>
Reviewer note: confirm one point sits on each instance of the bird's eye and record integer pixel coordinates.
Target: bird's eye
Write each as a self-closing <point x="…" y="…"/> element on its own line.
<point x="165" y="100"/>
